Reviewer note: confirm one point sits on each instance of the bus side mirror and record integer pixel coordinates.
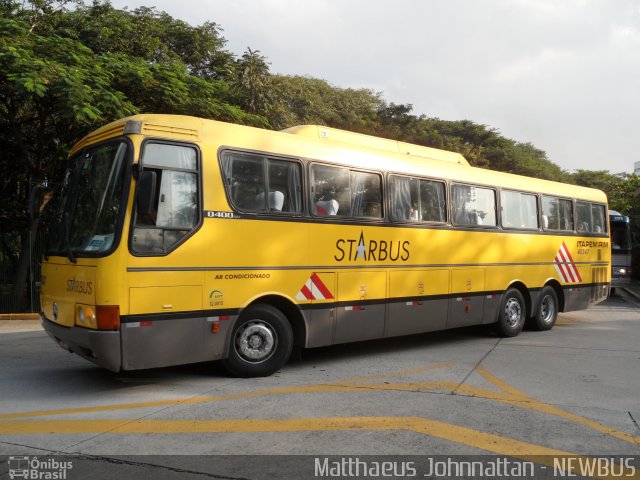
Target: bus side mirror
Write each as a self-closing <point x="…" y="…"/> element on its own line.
<point x="146" y="192"/>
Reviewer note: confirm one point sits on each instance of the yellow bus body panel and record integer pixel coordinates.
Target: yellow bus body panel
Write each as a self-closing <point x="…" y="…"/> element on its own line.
<point x="322" y="267"/>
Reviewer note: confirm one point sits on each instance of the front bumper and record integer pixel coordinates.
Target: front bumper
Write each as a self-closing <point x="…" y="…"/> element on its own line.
<point x="100" y="347"/>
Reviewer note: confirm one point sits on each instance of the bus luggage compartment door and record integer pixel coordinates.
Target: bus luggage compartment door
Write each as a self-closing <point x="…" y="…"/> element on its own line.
<point x="361" y="310"/>
<point x="418" y="301"/>
<point x="466" y="304"/>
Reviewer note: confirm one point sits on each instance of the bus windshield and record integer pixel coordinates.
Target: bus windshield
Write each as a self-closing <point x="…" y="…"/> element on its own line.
<point x="620" y="237"/>
<point x="90" y="204"/>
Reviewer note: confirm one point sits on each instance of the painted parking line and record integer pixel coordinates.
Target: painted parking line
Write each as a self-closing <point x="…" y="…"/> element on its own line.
<point x="531" y="403"/>
<point x="461" y="435"/>
<point x="509" y="395"/>
<point x="338" y="386"/>
<point x="506" y="394"/>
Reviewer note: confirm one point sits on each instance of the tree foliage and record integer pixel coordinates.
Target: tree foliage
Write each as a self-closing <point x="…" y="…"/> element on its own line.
<point x="67" y="67"/>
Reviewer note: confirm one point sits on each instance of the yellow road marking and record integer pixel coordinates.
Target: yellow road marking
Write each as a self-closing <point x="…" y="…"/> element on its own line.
<point x="461" y="435"/>
<point x="533" y="404"/>
<point x="509" y="395"/>
<point x="396" y="374"/>
<point x="339" y="386"/>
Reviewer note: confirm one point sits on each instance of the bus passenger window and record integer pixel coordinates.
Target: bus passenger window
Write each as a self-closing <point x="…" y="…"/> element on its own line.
<point x="557" y="213"/>
<point x="598" y="215"/>
<point x="550" y="214"/>
<point x="473" y="205"/>
<point x="416" y="200"/>
<point x="255" y="183"/>
<point x="519" y="210"/>
<point x="583" y="217"/>
<point x="366" y="195"/>
<point x="330" y="191"/>
<point x="344" y="192"/>
<point x="404" y="199"/>
<point x="432" y="201"/>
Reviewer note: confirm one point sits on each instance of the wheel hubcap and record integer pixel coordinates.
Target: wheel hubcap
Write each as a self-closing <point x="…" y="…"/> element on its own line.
<point x="512" y="312"/>
<point x="547" y="309"/>
<point x="255" y="342"/>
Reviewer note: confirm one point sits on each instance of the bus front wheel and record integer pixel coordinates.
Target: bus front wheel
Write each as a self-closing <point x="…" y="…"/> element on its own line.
<point x="512" y="313"/>
<point x="261" y="342"/>
<point x="547" y="311"/>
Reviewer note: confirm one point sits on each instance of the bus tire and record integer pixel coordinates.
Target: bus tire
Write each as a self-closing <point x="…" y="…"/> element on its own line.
<point x="547" y="311"/>
<point x="261" y="342"/>
<point x="512" y="313"/>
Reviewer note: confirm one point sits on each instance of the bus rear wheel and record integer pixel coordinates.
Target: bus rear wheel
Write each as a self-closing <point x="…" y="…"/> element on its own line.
<point x="547" y="311"/>
<point x="512" y="313"/>
<point x="261" y="342"/>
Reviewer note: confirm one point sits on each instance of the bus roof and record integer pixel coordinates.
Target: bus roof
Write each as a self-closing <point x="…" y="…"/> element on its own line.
<point x="352" y="139"/>
<point x="331" y="145"/>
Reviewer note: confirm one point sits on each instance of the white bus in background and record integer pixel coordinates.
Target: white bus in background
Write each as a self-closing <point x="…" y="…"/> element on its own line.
<point x="620" y="249"/>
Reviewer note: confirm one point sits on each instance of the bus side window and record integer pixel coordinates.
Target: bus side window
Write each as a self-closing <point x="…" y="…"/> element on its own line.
<point x="519" y="210"/>
<point x="366" y="195"/>
<point x="330" y="191"/>
<point x="416" y="200"/>
<point x="473" y="205"/>
<point x="566" y="214"/>
<point x="256" y="183"/>
<point x="550" y="214"/>
<point x="404" y="198"/>
<point x="559" y="213"/>
<point x="174" y="212"/>
<point x="583" y="213"/>
<point x="598" y="215"/>
<point x="432" y="201"/>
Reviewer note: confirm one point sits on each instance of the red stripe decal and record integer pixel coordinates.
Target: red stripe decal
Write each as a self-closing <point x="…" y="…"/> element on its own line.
<point x="306" y="292"/>
<point x="326" y="293"/>
<point x="568" y="268"/>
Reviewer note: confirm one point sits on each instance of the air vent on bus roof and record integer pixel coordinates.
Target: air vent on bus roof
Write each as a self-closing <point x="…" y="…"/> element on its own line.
<point x="98" y="136"/>
<point x="345" y="137"/>
<point x="172" y="131"/>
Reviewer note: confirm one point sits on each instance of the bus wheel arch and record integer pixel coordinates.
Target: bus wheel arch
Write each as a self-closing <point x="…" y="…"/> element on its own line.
<point x="291" y="311"/>
<point x="261" y="340"/>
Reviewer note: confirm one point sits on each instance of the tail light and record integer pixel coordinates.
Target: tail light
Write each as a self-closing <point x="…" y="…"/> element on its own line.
<point x="108" y="317"/>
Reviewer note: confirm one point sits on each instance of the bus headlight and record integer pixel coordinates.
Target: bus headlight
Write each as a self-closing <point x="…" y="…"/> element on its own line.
<point x="622" y="271"/>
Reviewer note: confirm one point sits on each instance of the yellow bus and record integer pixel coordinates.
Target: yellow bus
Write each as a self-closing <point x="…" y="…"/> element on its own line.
<point x="181" y="240"/>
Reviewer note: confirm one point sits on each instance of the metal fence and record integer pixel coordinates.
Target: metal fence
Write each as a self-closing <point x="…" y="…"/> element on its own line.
<point x="25" y="298"/>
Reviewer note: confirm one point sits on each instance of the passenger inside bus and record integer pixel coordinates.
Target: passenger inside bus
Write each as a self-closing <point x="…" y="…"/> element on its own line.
<point x="276" y="200"/>
<point x="373" y="205"/>
<point x="327" y="205"/>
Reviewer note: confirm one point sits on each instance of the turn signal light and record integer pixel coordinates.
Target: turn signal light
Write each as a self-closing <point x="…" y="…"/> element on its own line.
<point x="108" y="317"/>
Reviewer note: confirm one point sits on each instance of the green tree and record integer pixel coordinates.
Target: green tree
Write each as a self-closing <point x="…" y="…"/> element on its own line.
<point x="251" y="83"/>
<point x="54" y="89"/>
<point x="299" y="100"/>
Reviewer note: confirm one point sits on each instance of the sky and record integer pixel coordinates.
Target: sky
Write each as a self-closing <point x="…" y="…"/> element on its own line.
<point x="563" y="75"/>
